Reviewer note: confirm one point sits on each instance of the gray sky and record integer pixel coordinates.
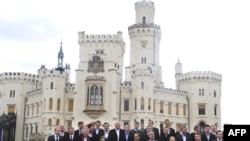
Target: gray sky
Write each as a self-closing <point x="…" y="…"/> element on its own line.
<point x="205" y="35"/>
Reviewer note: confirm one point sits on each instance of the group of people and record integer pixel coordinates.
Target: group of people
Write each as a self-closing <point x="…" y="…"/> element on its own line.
<point x="94" y="132"/>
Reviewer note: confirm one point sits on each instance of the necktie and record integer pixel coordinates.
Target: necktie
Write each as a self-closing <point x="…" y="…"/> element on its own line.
<point x="71" y="138"/>
<point x="57" y="138"/>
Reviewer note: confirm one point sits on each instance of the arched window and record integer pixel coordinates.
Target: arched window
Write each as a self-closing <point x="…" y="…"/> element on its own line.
<point x="142" y="124"/>
<point x="143" y="20"/>
<point x="202" y="126"/>
<point x="51" y="85"/>
<point x="49" y="122"/>
<point x="145" y="60"/>
<point x="135" y="104"/>
<point x="10" y="93"/>
<point x="142" y="60"/>
<point x="96" y="95"/>
<point x="149" y="103"/>
<point x="44" y="104"/>
<point x="88" y="96"/>
<point x="14" y="93"/>
<point x="101" y="95"/>
<point x="58" y="104"/>
<point x="50" y="104"/>
<point x="142" y="103"/>
<point x="57" y="122"/>
<point x="142" y="85"/>
<point x="92" y="96"/>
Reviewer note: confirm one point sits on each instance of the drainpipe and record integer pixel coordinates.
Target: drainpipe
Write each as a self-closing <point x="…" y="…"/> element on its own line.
<point x="188" y="113"/>
<point x="25" y="100"/>
<point x="120" y="106"/>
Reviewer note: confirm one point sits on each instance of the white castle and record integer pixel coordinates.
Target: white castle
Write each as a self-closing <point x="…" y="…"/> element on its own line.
<point x="44" y="100"/>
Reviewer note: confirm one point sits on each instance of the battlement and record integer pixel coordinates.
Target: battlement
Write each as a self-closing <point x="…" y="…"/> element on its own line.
<point x="126" y="84"/>
<point x="19" y="76"/>
<point x="82" y="37"/>
<point x="54" y="73"/>
<point x="70" y="86"/>
<point x="144" y="3"/>
<point x="95" y="77"/>
<point x="145" y="25"/>
<point x="199" y="75"/>
<point x="170" y="91"/>
<point x="142" y="72"/>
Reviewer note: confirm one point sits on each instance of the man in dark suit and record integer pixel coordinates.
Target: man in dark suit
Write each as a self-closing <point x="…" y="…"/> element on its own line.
<point x="78" y="132"/>
<point x="151" y="136"/>
<point x="117" y="134"/>
<point x="171" y="131"/>
<point x="85" y="135"/>
<point x="106" y="130"/>
<point x="165" y="136"/>
<point x="71" y="136"/>
<point x="56" y="136"/>
<point x="128" y="135"/>
<point x="196" y="131"/>
<point x="63" y="132"/>
<point x="207" y="136"/>
<point x="136" y="129"/>
<point x="137" y="137"/>
<point x="184" y="135"/>
<point x="91" y="128"/>
<point x="219" y="136"/>
<point x="197" y="137"/>
<point x="156" y="130"/>
<point x="98" y="132"/>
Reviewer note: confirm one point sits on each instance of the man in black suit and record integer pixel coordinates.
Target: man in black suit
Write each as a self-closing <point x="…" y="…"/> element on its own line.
<point x="184" y="135"/>
<point x="106" y="130"/>
<point x="85" y="135"/>
<point x="156" y="130"/>
<point x="219" y="136"/>
<point x="78" y="132"/>
<point x="128" y="135"/>
<point x="117" y="134"/>
<point x="207" y="136"/>
<point x="71" y="136"/>
<point x="63" y="132"/>
<point x="196" y="131"/>
<point x="151" y="136"/>
<point x="56" y="136"/>
<point x="98" y="132"/>
<point x="171" y="131"/>
<point x="137" y="137"/>
<point x="136" y="129"/>
<point x="91" y="128"/>
<point x="165" y="136"/>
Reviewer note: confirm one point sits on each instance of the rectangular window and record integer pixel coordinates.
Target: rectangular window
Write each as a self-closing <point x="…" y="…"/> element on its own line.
<point x="201" y="109"/>
<point x="11" y="109"/>
<point x="169" y="108"/>
<point x="161" y="107"/>
<point x="126" y="105"/>
<point x="215" y="110"/>
<point x="71" y="105"/>
<point x="184" y="110"/>
<point x="69" y="124"/>
<point x="154" y="106"/>
<point x="214" y="93"/>
<point x="177" y="109"/>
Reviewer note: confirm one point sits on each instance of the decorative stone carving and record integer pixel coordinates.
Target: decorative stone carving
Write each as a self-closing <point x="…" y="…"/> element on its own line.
<point x="96" y="65"/>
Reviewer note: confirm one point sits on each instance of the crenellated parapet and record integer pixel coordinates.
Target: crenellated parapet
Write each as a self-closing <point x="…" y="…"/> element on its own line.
<point x="95" y="77"/>
<point x="199" y="75"/>
<point x="54" y="73"/>
<point x="144" y="3"/>
<point x="126" y="85"/>
<point x="170" y="91"/>
<point x="142" y="72"/>
<point x="82" y="37"/>
<point x="12" y="76"/>
<point x="145" y="25"/>
<point x="70" y="87"/>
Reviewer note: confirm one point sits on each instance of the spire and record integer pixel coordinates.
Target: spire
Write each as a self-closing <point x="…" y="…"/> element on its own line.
<point x="60" y="57"/>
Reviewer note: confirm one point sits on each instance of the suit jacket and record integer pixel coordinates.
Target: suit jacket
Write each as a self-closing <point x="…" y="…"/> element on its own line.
<point x="80" y="138"/>
<point x="97" y="136"/>
<point x="52" y="138"/>
<point x="164" y="138"/>
<point x="179" y="137"/>
<point x="113" y="136"/>
<point x="67" y="138"/>
<point x="133" y="132"/>
<point x="157" y="133"/>
<point x="217" y="139"/>
<point x="191" y="137"/>
<point x="130" y="137"/>
<point x="211" y="138"/>
<point x="154" y="140"/>
<point x="65" y="133"/>
<point x="171" y="132"/>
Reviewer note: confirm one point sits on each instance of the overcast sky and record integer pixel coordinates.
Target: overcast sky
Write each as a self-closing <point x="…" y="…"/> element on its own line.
<point x="209" y="35"/>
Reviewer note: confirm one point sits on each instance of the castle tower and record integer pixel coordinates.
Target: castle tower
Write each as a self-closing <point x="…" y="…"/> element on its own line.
<point x="98" y="78"/>
<point x="204" y="96"/>
<point x="178" y="71"/>
<point x="60" y="57"/>
<point x="144" y="60"/>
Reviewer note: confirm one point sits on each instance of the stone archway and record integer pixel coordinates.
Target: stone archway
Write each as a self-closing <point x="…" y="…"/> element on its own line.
<point x="202" y="126"/>
<point x="8" y="126"/>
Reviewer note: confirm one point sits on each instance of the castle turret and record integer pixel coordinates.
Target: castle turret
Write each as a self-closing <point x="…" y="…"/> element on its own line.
<point x="178" y="71"/>
<point x="60" y="57"/>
